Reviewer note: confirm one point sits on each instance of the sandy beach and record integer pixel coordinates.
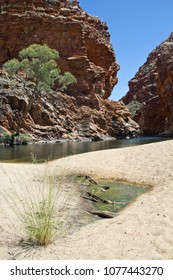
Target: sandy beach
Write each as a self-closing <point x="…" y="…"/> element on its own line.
<point x="143" y="230"/>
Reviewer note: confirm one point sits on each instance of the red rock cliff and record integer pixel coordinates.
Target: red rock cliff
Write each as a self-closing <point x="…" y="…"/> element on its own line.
<point x="81" y="40"/>
<point x="152" y="90"/>
<point x="85" y="50"/>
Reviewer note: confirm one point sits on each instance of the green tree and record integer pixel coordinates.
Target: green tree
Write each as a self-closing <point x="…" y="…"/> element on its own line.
<point x="52" y="1"/>
<point x="39" y="69"/>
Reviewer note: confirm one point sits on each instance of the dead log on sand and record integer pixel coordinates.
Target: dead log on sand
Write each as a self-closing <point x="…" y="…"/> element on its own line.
<point x="103" y="214"/>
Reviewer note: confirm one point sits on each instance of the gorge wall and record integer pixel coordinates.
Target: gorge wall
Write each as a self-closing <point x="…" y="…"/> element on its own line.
<point x="151" y="91"/>
<point x="83" y="42"/>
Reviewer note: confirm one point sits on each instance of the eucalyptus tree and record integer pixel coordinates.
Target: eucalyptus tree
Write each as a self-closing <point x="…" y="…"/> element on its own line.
<point x="38" y="70"/>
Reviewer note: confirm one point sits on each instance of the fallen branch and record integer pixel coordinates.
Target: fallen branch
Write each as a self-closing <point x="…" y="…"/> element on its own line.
<point x="91" y="180"/>
<point x="96" y="198"/>
<point x="103" y="214"/>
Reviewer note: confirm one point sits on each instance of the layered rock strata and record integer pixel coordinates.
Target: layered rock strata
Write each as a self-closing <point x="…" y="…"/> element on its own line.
<point x="85" y="50"/>
<point x="64" y="115"/>
<point x="151" y="90"/>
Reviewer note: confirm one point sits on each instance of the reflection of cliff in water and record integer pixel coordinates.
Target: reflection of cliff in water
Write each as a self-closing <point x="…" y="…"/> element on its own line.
<point x="52" y="151"/>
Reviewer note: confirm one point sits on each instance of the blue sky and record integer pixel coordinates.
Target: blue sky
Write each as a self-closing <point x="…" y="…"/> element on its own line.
<point x="136" y="28"/>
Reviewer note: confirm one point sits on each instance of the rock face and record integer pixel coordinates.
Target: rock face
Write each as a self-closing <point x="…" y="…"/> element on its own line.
<point x="85" y="51"/>
<point x="151" y="90"/>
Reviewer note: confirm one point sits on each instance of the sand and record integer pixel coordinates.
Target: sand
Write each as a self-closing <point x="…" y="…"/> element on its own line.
<point x="143" y="230"/>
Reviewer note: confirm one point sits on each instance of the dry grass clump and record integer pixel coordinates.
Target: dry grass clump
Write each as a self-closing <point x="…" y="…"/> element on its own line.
<point x="35" y="206"/>
<point x="40" y="220"/>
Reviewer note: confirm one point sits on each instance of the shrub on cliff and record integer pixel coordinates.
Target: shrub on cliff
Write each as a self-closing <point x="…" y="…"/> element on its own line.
<point x="5" y="137"/>
<point x="52" y="1"/>
<point x="38" y="64"/>
<point x="133" y="107"/>
<point x="38" y="70"/>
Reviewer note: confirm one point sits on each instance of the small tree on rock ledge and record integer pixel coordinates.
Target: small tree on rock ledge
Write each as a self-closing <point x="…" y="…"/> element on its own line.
<point x="38" y="70"/>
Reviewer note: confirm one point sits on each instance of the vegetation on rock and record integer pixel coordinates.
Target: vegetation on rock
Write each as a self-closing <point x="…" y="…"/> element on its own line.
<point x="133" y="106"/>
<point x="37" y="68"/>
<point x="5" y="137"/>
<point x="8" y="138"/>
<point x="83" y="42"/>
<point x="52" y="1"/>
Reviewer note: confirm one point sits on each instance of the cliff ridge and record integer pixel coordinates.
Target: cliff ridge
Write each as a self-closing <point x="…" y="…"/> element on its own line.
<point x="83" y="42"/>
<point x="152" y="91"/>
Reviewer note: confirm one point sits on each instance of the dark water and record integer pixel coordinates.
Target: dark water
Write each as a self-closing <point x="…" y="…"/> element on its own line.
<point x="52" y="151"/>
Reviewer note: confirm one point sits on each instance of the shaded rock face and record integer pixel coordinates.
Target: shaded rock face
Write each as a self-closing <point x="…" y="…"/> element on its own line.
<point x="85" y="50"/>
<point x="152" y="89"/>
<point x="64" y="115"/>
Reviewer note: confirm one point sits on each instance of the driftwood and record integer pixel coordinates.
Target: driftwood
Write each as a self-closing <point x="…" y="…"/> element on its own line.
<point x="104" y="214"/>
<point x="92" y="197"/>
<point x="91" y="180"/>
<point x="96" y="198"/>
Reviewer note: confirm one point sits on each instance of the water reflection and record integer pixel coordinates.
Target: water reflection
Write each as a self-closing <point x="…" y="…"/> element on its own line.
<point x="52" y="151"/>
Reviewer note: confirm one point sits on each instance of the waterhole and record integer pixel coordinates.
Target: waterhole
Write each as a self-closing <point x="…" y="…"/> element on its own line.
<point x="115" y="195"/>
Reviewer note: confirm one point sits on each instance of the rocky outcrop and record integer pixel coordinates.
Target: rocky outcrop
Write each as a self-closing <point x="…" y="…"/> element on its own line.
<point x="64" y="115"/>
<point x="85" y="50"/>
<point x="82" y="40"/>
<point x="151" y="91"/>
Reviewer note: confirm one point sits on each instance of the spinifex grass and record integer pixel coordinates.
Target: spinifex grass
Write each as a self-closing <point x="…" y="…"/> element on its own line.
<point x="40" y="220"/>
<point x="37" y="203"/>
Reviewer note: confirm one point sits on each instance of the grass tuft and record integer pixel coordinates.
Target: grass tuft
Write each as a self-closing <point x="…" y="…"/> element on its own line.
<point x="36" y="211"/>
<point x="40" y="221"/>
